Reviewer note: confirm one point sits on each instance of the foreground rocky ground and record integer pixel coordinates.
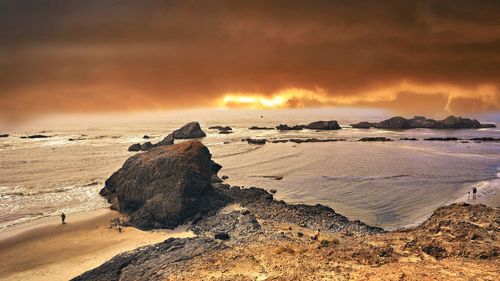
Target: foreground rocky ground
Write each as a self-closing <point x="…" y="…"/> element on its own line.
<point x="458" y="242"/>
<point x="255" y="237"/>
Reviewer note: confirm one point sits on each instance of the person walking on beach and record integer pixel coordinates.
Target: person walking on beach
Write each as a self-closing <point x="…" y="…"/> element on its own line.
<point x="474" y="191"/>
<point x="63" y="218"/>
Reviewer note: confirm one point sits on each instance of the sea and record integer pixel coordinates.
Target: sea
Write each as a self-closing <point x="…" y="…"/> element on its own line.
<point x="387" y="184"/>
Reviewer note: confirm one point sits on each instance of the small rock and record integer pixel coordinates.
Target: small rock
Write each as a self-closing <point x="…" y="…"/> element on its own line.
<point x="222" y="236"/>
<point x="224" y="177"/>
<point x="273" y="191"/>
<point x="135" y="147"/>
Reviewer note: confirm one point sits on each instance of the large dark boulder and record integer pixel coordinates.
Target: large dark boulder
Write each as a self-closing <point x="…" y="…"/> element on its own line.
<point x="166" y="186"/>
<point x="323" y="125"/>
<point x="191" y="130"/>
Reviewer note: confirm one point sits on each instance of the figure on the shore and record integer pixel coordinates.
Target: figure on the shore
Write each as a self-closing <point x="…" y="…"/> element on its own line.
<point x="474" y="191"/>
<point x="118" y="224"/>
<point x="63" y="218"/>
<point x="468" y="195"/>
<point x="316" y="235"/>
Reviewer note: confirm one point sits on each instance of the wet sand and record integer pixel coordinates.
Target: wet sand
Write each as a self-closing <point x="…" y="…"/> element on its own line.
<point x="47" y="250"/>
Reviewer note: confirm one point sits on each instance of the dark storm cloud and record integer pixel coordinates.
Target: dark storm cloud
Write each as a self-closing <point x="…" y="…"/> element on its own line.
<point x="120" y="55"/>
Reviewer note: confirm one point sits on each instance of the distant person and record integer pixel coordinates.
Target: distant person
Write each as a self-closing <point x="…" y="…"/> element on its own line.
<point x="63" y="218"/>
<point x="468" y="195"/>
<point x="316" y="235"/>
<point x="474" y="191"/>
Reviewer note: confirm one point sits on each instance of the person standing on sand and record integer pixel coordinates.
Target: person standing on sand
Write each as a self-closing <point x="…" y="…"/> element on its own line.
<point x="474" y="191"/>
<point x="316" y="235"/>
<point x="63" y="218"/>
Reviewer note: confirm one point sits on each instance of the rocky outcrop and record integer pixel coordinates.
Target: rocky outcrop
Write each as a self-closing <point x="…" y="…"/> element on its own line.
<point x="4" y="135"/>
<point x="35" y="137"/>
<point x="370" y="139"/>
<point x="363" y="125"/>
<point x="442" y="139"/>
<point x="399" y="123"/>
<point x="221" y="128"/>
<point x="285" y="127"/>
<point x="191" y="130"/>
<point x="135" y="147"/>
<point x="165" y="186"/>
<point x="255" y="141"/>
<point x="267" y="238"/>
<point x="147" y="146"/>
<point x="168" y="140"/>
<point x="147" y="263"/>
<point x="260" y="128"/>
<point x="323" y="125"/>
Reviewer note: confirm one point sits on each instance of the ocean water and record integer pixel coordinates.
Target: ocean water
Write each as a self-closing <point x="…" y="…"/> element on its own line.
<point x="390" y="185"/>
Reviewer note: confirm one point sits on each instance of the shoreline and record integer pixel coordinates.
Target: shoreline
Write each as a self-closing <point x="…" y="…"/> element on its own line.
<point x="61" y="252"/>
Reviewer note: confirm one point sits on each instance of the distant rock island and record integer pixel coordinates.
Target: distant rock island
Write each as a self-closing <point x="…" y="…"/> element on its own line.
<point x="318" y="125"/>
<point x="450" y="122"/>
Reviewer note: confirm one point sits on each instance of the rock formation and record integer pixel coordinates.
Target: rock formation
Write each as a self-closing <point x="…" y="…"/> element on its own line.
<point x="323" y="125"/>
<point x="221" y="128"/>
<point x="165" y="186"/>
<point x="260" y="128"/>
<point x="191" y="130"/>
<point x="135" y="147"/>
<point x="450" y="122"/>
<point x="285" y="127"/>
<point x="168" y="140"/>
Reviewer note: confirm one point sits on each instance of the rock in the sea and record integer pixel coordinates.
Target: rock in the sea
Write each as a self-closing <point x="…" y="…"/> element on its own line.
<point x="450" y="122"/>
<point x="260" y="128"/>
<point x="225" y="132"/>
<point x="164" y="187"/>
<point x="146" y="137"/>
<point x="35" y="137"/>
<point x="4" y="135"/>
<point x="285" y="127"/>
<point x="147" y="146"/>
<point x="394" y="123"/>
<point x="220" y="128"/>
<point x="191" y="130"/>
<point x="363" y="125"/>
<point x="168" y="140"/>
<point x="374" y="139"/>
<point x="256" y="141"/>
<point x="323" y="125"/>
<point x="135" y="147"/>
<point x="273" y="191"/>
<point x="442" y="139"/>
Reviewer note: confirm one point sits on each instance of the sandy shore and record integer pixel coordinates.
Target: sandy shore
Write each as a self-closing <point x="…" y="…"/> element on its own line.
<point x="47" y="250"/>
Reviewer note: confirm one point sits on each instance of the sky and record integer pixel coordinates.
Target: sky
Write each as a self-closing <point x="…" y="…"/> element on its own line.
<point x="409" y="57"/>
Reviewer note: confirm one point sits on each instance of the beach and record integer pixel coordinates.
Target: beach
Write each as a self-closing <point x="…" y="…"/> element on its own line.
<point x="45" y="249"/>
